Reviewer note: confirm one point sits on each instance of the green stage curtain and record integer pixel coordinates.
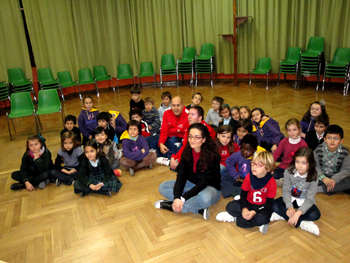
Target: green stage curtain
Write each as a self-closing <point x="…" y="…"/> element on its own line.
<point x="277" y="25"/>
<point x="51" y="28"/>
<point x="204" y="20"/>
<point x="13" y="44"/>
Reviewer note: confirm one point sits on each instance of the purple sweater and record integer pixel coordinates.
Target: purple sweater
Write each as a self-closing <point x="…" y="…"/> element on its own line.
<point x="132" y="149"/>
<point x="243" y="165"/>
<point x="307" y="126"/>
<point x="269" y="132"/>
<point x="87" y="121"/>
<point x="120" y="124"/>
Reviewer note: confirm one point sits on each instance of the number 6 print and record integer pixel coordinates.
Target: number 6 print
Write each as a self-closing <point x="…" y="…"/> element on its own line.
<point x="256" y="197"/>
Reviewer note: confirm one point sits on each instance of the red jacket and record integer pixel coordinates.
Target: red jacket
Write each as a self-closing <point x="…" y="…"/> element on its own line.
<point x="172" y="125"/>
<point x="177" y="156"/>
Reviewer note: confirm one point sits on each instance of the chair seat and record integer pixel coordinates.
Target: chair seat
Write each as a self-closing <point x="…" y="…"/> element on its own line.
<point x="203" y="57"/>
<point x="261" y="71"/>
<point x="20" y="113"/>
<point x="337" y="65"/>
<point x="22" y="83"/>
<point x="310" y="53"/>
<point x="48" y="110"/>
<point x="103" y="78"/>
<point x="187" y="61"/>
<point x="167" y="67"/>
<point x="48" y="83"/>
<point x="149" y="74"/>
<point x="87" y="82"/>
<point x="68" y="84"/>
<point x="289" y="63"/>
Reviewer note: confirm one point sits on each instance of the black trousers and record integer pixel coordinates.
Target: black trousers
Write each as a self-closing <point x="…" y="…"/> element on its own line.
<point x="79" y="187"/>
<point x="34" y="180"/>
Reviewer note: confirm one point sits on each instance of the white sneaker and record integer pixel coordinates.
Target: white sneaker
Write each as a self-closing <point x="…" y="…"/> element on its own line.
<point x="263" y="228"/>
<point x="310" y="226"/>
<point x="163" y="161"/>
<point x="225" y="217"/>
<point x="132" y="172"/>
<point x="276" y="217"/>
<point x="152" y="150"/>
<point x="120" y="154"/>
<point x="279" y="182"/>
<point x="177" y="144"/>
<point x="237" y="197"/>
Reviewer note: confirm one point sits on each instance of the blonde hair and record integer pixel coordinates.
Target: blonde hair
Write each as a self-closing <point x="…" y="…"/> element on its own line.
<point x="266" y="158"/>
<point x="292" y="121"/>
<point x="149" y="100"/>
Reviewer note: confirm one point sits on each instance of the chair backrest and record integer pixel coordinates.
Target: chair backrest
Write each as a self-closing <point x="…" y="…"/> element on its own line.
<point x="85" y="75"/>
<point x="100" y="72"/>
<point x="65" y="79"/>
<point x="124" y="71"/>
<point x="293" y="53"/>
<point x="316" y="44"/>
<point x="15" y="75"/>
<point x="147" y="69"/>
<point x="168" y="60"/>
<point x="189" y="53"/>
<point x="342" y="55"/>
<point x="48" y="98"/>
<point x="21" y="101"/>
<point x="207" y="49"/>
<point x="264" y="64"/>
<point x="45" y="75"/>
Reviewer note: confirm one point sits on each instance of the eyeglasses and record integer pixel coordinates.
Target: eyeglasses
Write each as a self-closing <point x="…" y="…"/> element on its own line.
<point x="259" y="165"/>
<point x="196" y="138"/>
<point x="333" y="138"/>
<point x="316" y="109"/>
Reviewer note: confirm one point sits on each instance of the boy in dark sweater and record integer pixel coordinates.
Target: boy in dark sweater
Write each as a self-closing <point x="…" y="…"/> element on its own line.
<point x="332" y="162"/>
<point x="69" y="125"/>
<point x="151" y="116"/>
<point x="315" y="137"/>
<point x="136" y="101"/>
<point x="103" y="120"/>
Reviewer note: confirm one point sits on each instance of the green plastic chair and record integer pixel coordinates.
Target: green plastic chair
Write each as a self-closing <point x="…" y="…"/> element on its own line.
<point x="147" y="70"/>
<point x="47" y="81"/>
<point x="18" y="81"/>
<point x="100" y="74"/>
<point x="290" y="65"/>
<point x="4" y="91"/>
<point x="124" y="72"/>
<point x="263" y="67"/>
<point x="85" y="77"/>
<point x="21" y="106"/>
<point x="186" y="64"/>
<point x="314" y="48"/>
<point x="168" y="67"/>
<point x="204" y="63"/>
<point x="48" y="102"/>
<point x="339" y="68"/>
<point x="66" y="81"/>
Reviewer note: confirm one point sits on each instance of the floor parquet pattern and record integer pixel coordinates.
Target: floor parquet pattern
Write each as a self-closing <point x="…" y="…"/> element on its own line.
<point x="55" y="225"/>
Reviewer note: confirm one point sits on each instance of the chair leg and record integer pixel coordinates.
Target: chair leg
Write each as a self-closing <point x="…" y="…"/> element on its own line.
<point x="324" y="79"/>
<point x="138" y="81"/>
<point x="112" y="84"/>
<point x="98" y="94"/>
<point x="161" y="79"/>
<point x="250" y="79"/>
<point x="267" y="81"/>
<point x="8" y="125"/>
<point x="279" y="73"/>
<point x="133" y="79"/>
<point x="79" y="91"/>
<point x="155" y="82"/>
<point x="62" y="115"/>
<point x="34" y="94"/>
<point x="196" y="79"/>
<point x="40" y="126"/>
<point x="62" y="94"/>
<point x="117" y="85"/>
<point x="177" y="79"/>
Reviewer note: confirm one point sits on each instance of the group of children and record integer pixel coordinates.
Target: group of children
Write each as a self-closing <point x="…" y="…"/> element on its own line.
<point x="250" y="142"/>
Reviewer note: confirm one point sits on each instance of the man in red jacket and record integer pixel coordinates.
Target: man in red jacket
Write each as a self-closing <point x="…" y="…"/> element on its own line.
<point x="172" y="131"/>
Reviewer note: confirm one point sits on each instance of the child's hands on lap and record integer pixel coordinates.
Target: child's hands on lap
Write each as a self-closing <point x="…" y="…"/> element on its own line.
<point x="177" y="205"/>
<point x="294" y="219"/>
<point x="247" y="215"/>
<point x="330" y="183"/>
<point x="290" y="212"/>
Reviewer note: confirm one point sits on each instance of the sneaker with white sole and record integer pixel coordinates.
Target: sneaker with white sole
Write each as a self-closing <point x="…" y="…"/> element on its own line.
<point x="164" y="204"/>
<point x="263" y="228"/>
<point x="150" y="166"/>
<point x="42" y="185"/>
<point x="178" y="144"/>
<point x="204" y="212"/>
<point x="225" y="217"/>
<point x="132" y="172"/>
<point x="58" y="182"/>
<point x="163" y="161"/>
<point x="276" y="217"/>
<point x="310" y="227"/>
<point x="237" y="197"/>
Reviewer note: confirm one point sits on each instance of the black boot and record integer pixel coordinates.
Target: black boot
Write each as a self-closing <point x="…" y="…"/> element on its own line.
<point x="18" y="186"/>
<point x="164" y="204"/>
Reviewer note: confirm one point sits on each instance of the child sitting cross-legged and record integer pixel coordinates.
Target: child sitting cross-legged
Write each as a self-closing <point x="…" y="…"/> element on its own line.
<point x="333" y="162"/>
<point x="258" y="192"/>
<point x="238" y="166"/>
<point x="108" y="149"/>
<point x="71" y="154"/>
<point x="297" y="203"/>
<point x="135" y="148"/>
<point x="95" y="173"/>
<point x="151" y="116"/>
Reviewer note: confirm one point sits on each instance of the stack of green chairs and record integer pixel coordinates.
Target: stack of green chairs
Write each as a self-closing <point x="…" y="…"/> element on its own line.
<point x="204" y="63"/>
<point x="339" y="68"/>
<point x="4" y="91"/>
<point x="186" y="64"/>
<point x="290" y="65"/>
<point x="18" y="82"/>
<point x="47" y="81"/>
<point x="124" y="72"/>
<point x="66" y="81"/>
<point x="263" y="67"/>
<point x="147" y="70"/>
<point x="168" y="67"/>
<point x="312" y="60"/>
<point x="85" y="77"/>
<point x="100" y="74"/>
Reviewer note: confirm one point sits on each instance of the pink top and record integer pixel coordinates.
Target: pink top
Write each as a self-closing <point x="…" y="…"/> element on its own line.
<point x="288" y="151"/>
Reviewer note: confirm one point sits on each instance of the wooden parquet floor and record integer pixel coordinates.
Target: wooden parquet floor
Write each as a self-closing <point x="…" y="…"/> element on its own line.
<point x="56" y="225"/>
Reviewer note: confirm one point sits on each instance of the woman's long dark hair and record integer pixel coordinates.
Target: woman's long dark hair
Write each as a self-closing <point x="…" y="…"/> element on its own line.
<point x="307" y="114"/>
<point x="209" y="149"/>
<point x="309" y="155"/>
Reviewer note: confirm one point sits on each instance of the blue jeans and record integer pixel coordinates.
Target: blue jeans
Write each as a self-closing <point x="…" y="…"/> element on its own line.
<point x="280" y="208"/>
<point x="230" y="187"/>
<point x="223" y="170"/>
<point x="203" y="199"/>
<point x="170" y="144"/>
